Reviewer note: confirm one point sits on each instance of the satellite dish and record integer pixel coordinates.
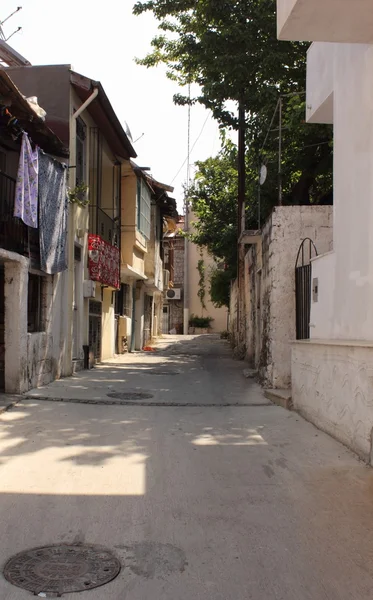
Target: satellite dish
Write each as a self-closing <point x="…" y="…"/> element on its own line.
<point x="128" y="131"/>
<point x="263" y="174"/>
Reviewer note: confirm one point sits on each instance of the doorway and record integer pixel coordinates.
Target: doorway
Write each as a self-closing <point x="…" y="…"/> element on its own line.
<point x="166" y="319"/>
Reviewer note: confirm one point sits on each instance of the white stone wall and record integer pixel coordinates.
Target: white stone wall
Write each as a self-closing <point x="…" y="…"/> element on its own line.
<point x="323" y="276"/>
<point x="43" y="365"/>
<point x="31" y="359"/>
<point x="332" y="388"/>
<point x="270" y="287"/>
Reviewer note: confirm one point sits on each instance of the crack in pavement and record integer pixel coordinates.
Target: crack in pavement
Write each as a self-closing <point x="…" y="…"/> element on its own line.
<point x="167" y="404"/>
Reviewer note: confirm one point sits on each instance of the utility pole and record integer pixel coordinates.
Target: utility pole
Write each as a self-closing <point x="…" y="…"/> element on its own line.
<point x="240" y="209"/>
<point x="241" y="169"/>
<point x="280" y="153"/>
<point x="186" y="230"/>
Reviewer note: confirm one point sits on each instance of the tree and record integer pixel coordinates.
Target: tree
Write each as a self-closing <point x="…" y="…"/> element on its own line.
<point x="230" y="49"/>
<point x="213" y="197"/>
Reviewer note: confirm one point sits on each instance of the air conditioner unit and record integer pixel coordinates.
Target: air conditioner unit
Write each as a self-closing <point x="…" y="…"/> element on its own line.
<point x="166" y="278"/>
<point x="173" y="294"/>
<point x="89" y="289"/>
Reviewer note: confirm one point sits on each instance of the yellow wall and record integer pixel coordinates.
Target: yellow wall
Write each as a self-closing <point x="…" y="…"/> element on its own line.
<point x="108" y="346"/>
<point x="134" y="245"/>
<point x="218" y="314"/>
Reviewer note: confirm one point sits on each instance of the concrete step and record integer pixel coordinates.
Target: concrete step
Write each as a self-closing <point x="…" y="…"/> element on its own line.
<point x="280" y="397"/>
<point x="7" y="401"/>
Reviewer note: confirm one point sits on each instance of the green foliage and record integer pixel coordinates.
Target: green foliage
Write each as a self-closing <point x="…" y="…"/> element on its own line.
<point x="229" y="48"/>
<point x="202" y="282"/>
<point x="200" y="322"/>
<point x="220" y="287"/>
<point x="213" y="198"/>
<point x="78" y="195"/>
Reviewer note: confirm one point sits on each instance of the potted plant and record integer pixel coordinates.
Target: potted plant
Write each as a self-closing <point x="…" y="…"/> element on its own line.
<point x="78" y="194"/>
<point x="199" y="324"/>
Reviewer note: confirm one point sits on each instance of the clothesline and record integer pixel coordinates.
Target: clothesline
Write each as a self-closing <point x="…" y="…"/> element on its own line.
<point x="14" y="123"/>
<point x="41" y="203"/>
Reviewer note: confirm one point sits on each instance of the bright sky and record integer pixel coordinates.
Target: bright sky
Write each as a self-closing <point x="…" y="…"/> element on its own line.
<point x="100" y="40"/>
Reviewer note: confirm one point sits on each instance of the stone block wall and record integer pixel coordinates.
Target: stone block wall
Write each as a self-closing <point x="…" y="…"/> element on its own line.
<point x="270" y="287"/>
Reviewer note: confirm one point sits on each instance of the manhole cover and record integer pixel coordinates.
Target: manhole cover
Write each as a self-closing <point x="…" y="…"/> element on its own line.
<point x="62" y="569"/>
<point x="130" y="395"/>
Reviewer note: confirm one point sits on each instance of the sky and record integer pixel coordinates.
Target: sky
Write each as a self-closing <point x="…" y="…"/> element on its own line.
<point x="101" y="40"/>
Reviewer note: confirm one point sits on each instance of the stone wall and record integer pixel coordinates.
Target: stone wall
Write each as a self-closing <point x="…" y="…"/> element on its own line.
<point x="42" y="365"/>
<point x="269" y="274"/>
<point x="332" y="388"/>
<point x="233" y="308"/>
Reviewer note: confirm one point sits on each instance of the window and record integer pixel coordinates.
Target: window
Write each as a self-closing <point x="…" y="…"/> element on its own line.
<point x="35" y="303"/>
<point x="123" y="301"/>
<point x="80" y="151"/>
<point x="143" y="208"/>
<point x="2" y="161"/>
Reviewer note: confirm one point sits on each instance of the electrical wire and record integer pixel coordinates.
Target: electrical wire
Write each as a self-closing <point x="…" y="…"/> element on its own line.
<point x="192" y="148"/>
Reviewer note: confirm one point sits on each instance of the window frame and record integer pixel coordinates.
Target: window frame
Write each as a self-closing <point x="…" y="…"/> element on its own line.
<point x="35" y="308"/>
<point x="144" y="208"/>
<point x="80" y="152"/>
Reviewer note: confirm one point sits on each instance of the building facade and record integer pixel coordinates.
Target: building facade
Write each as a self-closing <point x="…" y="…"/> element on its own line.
<point x="332" y="372"/>
<point x="145" y="206"/>
<point x="32" y="309"/>
<point x="79" y="111"/>
<point x="197" y="269"/>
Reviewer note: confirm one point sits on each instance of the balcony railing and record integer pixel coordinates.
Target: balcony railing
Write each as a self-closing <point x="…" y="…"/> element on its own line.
<point x="107" y="228"/>
<point x="14" y="234"/>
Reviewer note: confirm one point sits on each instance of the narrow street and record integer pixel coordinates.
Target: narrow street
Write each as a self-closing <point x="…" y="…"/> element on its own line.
<point x="203" y="489"/>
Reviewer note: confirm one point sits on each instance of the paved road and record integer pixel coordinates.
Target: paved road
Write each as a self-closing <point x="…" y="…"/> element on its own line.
<point x="203" y="502"/>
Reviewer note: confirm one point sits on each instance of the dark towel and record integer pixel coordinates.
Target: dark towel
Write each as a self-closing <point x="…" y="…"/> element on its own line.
<point x="53" y="208"/>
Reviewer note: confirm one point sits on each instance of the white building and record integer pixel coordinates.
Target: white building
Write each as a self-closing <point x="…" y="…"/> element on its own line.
<point x="332" y="373"/>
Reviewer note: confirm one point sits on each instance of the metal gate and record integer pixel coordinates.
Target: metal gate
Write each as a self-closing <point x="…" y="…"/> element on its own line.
<point x="95" y="315"/>
<point x="165" y="319"/>
<point x="303" y="274"/>
<point x="148" y="308"/>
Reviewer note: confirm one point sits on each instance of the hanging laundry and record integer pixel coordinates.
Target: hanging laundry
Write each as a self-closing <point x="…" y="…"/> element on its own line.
<point x="26" y="196"/>
<point x="53" y="213"/>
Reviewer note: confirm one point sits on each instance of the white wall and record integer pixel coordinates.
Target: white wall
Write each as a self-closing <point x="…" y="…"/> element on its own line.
<point x="269" y="335"/>
<point x="325" y="20"/>
<point x="351" y="314"/>
<point x="323" y="270"/>
<point x="332" y="387"/>
<point x="320" y="82"/>
<point x="219" y="315"/>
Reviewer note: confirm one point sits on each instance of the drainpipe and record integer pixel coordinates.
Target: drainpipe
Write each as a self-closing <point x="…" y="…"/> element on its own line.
<point x="71" y="234"/>
<point x="86" y="103"/>
<point x="186" y="274"/>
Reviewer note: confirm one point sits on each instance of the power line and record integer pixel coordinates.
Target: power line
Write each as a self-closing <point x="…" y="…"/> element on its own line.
<point x="192" y="148"/>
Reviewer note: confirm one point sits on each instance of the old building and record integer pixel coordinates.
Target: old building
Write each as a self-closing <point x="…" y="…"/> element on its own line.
<point x="269" y="323"/>
<point x="332" y="371"/>
<point x="174" y="253"/>
<point x="146" y="203"/>
<point x="200" y="265"/>
<point x="32" y="309"/>
<point x="79" y="111"/>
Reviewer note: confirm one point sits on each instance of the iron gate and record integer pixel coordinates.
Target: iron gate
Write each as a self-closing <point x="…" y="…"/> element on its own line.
<point x="303" y="274"/>
<point x="148" y="309"/>
<point x="95" y="316"/>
